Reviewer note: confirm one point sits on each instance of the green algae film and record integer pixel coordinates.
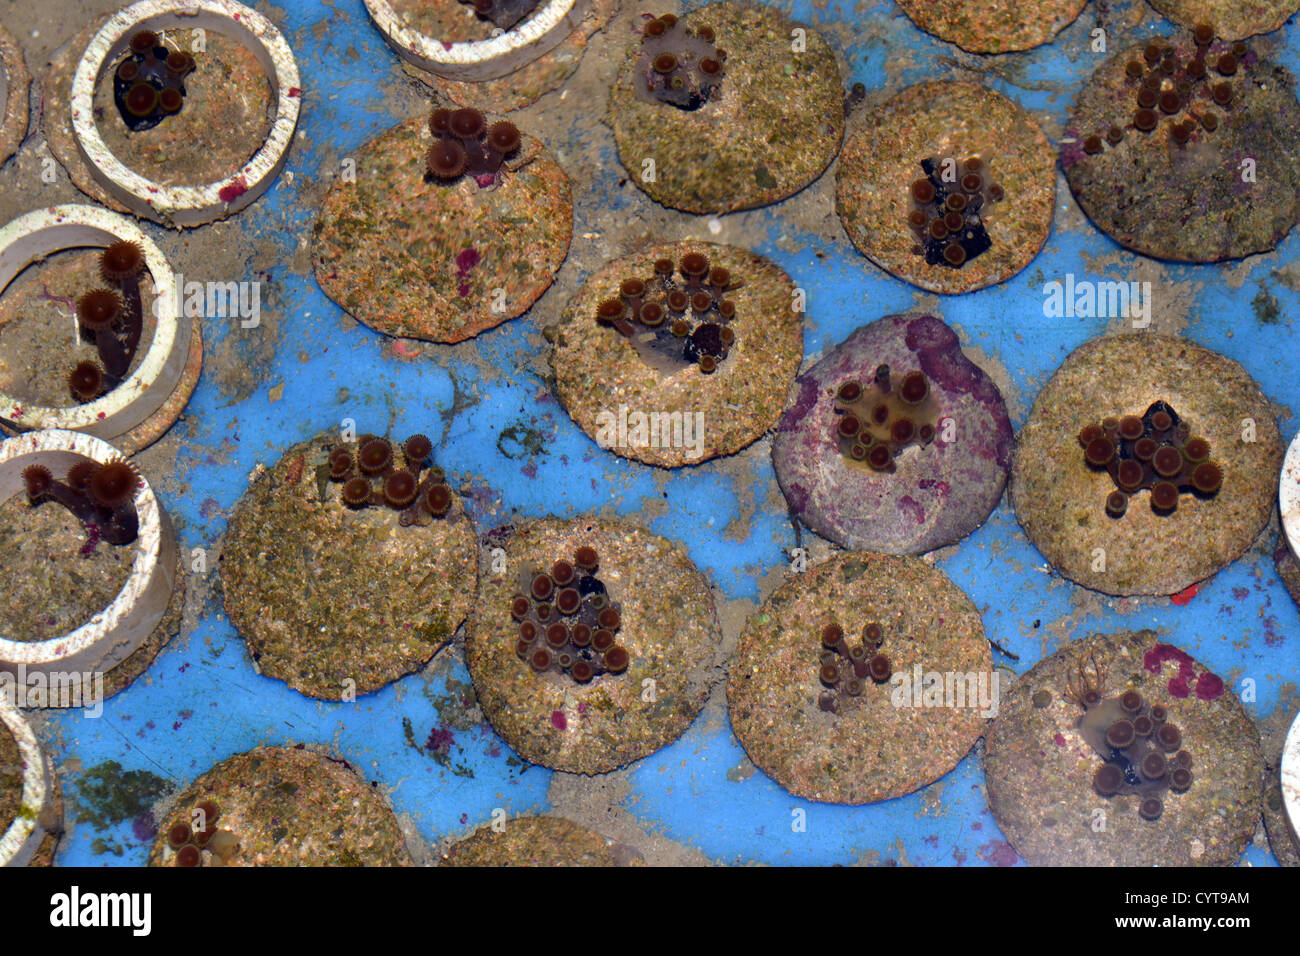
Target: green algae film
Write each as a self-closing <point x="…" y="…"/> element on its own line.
<point x="531" y="841"/>
<point x="11" y="779"/>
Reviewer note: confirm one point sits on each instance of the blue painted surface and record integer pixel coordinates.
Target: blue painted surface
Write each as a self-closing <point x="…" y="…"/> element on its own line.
<point x="202" y="700"/>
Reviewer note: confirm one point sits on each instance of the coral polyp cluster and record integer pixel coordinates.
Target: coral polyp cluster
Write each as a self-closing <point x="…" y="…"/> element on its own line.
<point x="567" y="623"/>
<point x="678" y="65"/>
<point x="503" y="13"/>
<point x="846" y="670"/>
<point x="1182" y="96"/>
<point x="101" y="497"/>
<point x="111" y="318"/>
<point x="949" y="209"/>
<point x="1156" y="452"/>
<point x="675" y="322"/>
<point x="371" y="476"/>
<point x="1141" y="748"/>
<point x="190" y="838"/>
<point x="876" y="421"/>
<point x="149" y="84"/>
<point x="463" y="143"/>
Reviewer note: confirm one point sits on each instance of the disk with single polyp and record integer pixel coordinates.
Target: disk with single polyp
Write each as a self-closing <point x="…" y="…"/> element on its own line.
<point x="30" y="810"/>
<point x="154" y="392"/>
<point x="207" y="169"/>
<point x="520" y="87"/>
<point x="1196" y="202"/>
<point x="993" y="26"/>
<point x="532" y="841"/>
<point x="668" y="627"/>
<point x="330" y="599"/>
<point x="288" y="806"/>
<point x="891" y="742"/>
<point x="939" y="492"/>
<point x="120" y="638"/>
<point x="428" y="260"/>
<point x="1061" y="501"/>
<point x="945" y="120"/>
<point x="1231" y="20"/>
<point x="599" y="374"/>
<point x="1040" y="768"/>
<point x="15" y="82"/>
<point x="772" y="129"/>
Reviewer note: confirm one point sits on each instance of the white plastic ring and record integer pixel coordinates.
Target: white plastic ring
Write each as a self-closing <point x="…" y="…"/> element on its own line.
<point x="112" y="634"/>
<point x="43" y="232"/>
<point x="536" y="35"/>
<point x="1291" y="777"/>
<point x="187" y="205"/>
<point x="1288" y="497"/>
<point x="21" y="840"/>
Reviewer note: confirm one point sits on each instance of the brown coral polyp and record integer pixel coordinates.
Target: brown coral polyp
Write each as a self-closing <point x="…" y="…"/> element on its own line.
<point x="1154" y="451"/>
<point x="877" y="421"/>
<point x="464" y="144"/>
<point x="1132" y="743"/>
<point x="583" y="644"/>
<point x="697" y="302"/>
<point x="678" y="66"/>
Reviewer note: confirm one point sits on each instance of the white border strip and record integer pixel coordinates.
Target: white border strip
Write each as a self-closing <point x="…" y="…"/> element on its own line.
<point x="113" y="633"/>
<point x="1288" y="497"/>
<point x="1291" y="778"/>
<point x="20" y="842"/>
<point x="41" y="233"/>
<point x="535" y="36"/>
<point x="187" y="205"/>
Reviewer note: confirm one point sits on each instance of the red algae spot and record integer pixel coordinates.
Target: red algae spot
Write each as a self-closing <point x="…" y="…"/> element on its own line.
<point x="463" y="289"/>
<point x="1184" y="596"/>
<point x="1060" y="740"/>
<point x="232" y="191"/>
<point x="912" y="508"/>
<point x="466" y="260"/>
<point x="1209" y="686"/>
<point x="1154" y="658"/>
<point x="1180" y="685"/>
<point x="998" y="853"/>
<point x="295" y="91"/>
<point x="558" y="720"/>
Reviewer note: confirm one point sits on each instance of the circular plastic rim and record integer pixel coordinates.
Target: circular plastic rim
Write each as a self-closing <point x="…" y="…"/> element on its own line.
<point x="112" y="634"/>
<point x="486" y="59"/>
<point x="1291" y="777"/>
<point x="1288" y="497"/>
<point x="187" y="205"/>
<point x="45" y="231"/>
<point x="19" y="843"/>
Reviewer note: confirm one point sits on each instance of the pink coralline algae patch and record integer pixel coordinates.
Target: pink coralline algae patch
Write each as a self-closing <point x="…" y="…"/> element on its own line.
<point x="998" y="853"/>
<point x="558" y="720"/>
<point x="1208" y="686"/>
<point x="466" y="260"/>
<point x="912" y="508"/>
<point x="1060" y="740"/>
